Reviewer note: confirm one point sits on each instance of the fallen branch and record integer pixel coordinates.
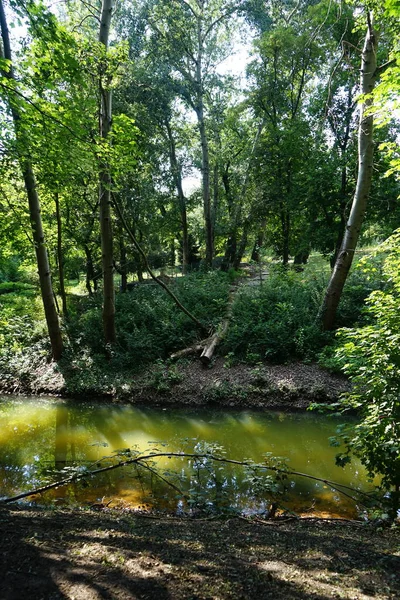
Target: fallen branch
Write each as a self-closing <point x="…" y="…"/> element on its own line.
<point x="221" y="332"/>
<point x="148" y="269"/>
<point x="198" y="347"/>
<point x="138" y="460"/>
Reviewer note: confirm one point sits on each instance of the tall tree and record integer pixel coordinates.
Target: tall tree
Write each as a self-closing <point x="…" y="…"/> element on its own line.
<point x="288" y="57"/>
<point x="190" y="34"/>
<point x="22" y="145"/>
<point x="365" y="164"/>
<point x="105" y="181"/>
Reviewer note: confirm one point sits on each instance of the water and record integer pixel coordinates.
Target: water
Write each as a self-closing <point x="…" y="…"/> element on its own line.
<point x="38" y="439"/>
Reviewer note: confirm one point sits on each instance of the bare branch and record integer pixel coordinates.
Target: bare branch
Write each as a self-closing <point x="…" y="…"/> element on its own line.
<point x="139" y="460"/>
<point x="150" y="272"/>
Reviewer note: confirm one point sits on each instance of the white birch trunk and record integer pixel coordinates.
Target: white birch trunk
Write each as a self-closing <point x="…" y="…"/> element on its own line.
<point x="364" y="178"/>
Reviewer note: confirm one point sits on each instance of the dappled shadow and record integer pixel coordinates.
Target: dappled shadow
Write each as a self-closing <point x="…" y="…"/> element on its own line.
<point x="87" y="555"/>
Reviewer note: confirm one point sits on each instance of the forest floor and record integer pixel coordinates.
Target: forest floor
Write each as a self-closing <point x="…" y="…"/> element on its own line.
<point x="88" y="555"/>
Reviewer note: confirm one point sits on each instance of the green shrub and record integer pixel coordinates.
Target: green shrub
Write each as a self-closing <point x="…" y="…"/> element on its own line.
<point x="276" y="320"/>
<point x="370" y="356"/>
<point x="9" y="268"/>
<point x="149" y="325"/>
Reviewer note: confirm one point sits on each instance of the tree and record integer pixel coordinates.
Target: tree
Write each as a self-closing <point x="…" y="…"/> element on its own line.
<point x="149" y="97"/>
<point x="191" y="35"/>
<point x="364" y="178"/>
<point x="105" y="181"/>
<point x="371" y="358"/>
<point x="287" y="58"/>
<point x="22" y="145"/>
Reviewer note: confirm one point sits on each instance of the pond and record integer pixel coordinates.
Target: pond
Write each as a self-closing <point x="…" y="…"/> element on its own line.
<point x="43" y="440"/>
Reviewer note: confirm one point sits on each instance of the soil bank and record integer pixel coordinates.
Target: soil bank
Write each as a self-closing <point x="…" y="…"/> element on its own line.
<point x="188" y="383"/>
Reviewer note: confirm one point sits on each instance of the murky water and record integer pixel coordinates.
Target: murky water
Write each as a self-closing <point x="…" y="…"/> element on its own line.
<point x="40" y="438"/>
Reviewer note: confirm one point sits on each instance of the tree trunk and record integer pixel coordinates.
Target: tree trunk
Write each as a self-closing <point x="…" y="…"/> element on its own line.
<point x="90" y="276"/>
<point x="365" y="162"/>
<point x="241" y="246"/>
<point x="258" y="244"/>
<point x="104" y="190"/>
<point x="206" y="184"/>
<point x="60" y="256"/>
<point x="205" y="159"/>
<point x="215" y="204"/>
<point x="231" y="243"/>
<point x="123" y="259"/>
<point x="285" y="223"/>
<point x="177" y="177"/>
<point x="341" y="230"/>
<point x="46" y="288"/>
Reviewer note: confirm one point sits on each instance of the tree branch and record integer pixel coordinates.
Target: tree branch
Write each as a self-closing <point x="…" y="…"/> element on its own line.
<point x="138" y="460"/>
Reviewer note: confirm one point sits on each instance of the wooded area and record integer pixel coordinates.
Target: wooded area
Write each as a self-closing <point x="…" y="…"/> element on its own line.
<point x="237" y="154"/>
<point x="273" y="154"/>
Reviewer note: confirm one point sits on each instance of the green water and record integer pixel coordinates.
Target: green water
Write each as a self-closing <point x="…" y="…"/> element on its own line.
<point x="38" y="439"/>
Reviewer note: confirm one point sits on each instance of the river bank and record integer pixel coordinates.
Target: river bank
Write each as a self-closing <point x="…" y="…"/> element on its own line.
<point x="100" y="552"/>
<point x="188" y="383"/>
<point x="91" y="555"/>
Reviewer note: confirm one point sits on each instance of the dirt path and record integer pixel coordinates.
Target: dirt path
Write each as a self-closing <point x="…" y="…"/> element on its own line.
<point x="112" y="555"/>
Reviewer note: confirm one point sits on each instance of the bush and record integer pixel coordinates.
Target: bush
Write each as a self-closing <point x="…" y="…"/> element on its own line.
<point x="9" y="268"/>
<point x="277" y="319"/>
<point x="370" y="355"/>
<point x="366" y="277"/>
<point x="149" y="324"/>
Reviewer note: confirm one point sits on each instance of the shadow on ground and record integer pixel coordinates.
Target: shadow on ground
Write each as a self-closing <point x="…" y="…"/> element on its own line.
<point x="112" y="555"/>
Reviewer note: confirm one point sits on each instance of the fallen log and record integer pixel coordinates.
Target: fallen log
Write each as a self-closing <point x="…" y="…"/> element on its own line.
<point x="198" y="347"/>
<point x="221" y="332"/>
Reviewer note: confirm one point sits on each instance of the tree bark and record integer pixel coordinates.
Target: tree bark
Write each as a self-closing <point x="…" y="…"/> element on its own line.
<point x="205" y="158"/>
<point x="46" y="288"/>
<point x="105" y="189"/>
<point x="194" y="349"/>
<point x="365" y="163"/>
<point x="60" y="256"/>
<point x="177" y="177"/>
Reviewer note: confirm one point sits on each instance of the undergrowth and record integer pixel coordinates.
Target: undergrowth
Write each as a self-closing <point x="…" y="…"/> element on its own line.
<point x="274" y="321"/>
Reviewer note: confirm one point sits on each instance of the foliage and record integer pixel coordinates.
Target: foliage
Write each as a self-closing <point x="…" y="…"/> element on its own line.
<point x="370" y="356"/>
<point x="280" y="161"/>
<point x="149" y="325"/>
<point x="277" y="319"/>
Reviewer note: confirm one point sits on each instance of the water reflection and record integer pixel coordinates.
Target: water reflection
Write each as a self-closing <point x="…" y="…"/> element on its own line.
<point x="61" y="437"/>
<point x="37" y="439"/>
